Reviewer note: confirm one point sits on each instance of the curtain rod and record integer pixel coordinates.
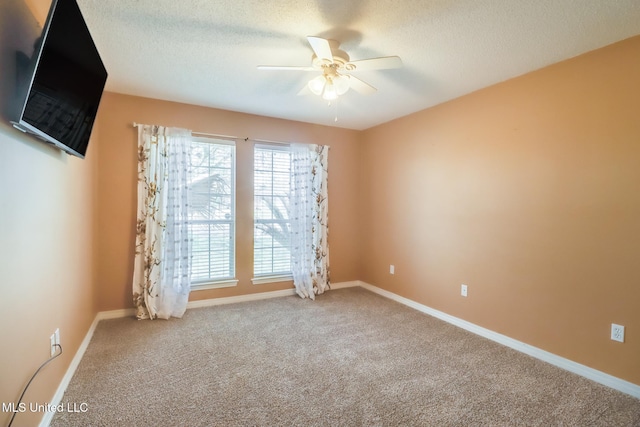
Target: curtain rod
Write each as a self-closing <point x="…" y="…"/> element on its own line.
<point x="215" y="135"/>
<point x="267" y="141"/>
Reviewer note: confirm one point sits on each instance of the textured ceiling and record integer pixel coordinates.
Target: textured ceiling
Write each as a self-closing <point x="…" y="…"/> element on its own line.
<point x="205" y="52"/>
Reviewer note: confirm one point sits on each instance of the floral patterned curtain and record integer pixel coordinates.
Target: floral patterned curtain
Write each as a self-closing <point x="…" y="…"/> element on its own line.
<point x="309" y="219"/>
<point x="161" y="277"/>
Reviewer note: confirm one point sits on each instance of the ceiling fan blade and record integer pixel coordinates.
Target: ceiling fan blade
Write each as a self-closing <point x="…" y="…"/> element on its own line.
<point x="284" y="67"/>
<point x="304" y="91"/>
<point x="360" y="86"/>
<point x="321" y="48"/>
<point x="383" y="63"/>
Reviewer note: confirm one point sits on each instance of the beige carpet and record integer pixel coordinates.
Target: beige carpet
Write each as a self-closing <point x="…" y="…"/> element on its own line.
<point x="351" y="358"/>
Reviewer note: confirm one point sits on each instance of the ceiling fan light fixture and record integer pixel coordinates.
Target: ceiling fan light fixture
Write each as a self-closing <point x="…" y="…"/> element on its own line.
<point x="330" y="92"/>
<point x="317" y="84"/>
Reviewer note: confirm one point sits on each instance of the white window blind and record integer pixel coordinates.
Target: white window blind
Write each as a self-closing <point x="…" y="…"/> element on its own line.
<point x="212" y="210"/>
<point x="272" y="186"/>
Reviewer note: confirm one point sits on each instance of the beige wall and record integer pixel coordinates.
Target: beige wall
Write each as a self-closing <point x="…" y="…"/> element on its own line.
<point x="527" y="192"/>
<point x="46" y="240"/>
<point x="117" y="189"/>
<point x="46" y="273"/>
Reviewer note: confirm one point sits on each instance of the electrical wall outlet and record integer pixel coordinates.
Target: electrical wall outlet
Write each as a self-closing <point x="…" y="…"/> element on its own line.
<point x="54" y="341"/>
<point x="52" y="344"/>
<point x="463" y="290"/>
<point x="617" y="332"/>
<point x="392" y="269"/>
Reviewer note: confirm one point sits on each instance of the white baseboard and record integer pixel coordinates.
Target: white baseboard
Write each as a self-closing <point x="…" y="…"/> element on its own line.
<point x="66" y="379"/>
<point x="342" y="285"/>
<point x="116" y="314"/>
<point x="240" y="298"/>
<point x="260" y="296"/>
<point x="561" y="362"/>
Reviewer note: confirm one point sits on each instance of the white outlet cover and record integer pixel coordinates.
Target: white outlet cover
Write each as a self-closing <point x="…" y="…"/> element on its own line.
<point x="617" y="332"/>
<point x="52" y="344"/>
<point x="392" y="269"/>
<point x="463" y="290"/>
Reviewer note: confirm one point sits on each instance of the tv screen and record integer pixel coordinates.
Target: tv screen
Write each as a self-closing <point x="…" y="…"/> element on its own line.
<point x="67" y="82"/>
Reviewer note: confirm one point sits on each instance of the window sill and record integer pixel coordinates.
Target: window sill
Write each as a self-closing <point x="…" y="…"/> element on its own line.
<point x="214" y="285"/>
<point x="271" y="279"/>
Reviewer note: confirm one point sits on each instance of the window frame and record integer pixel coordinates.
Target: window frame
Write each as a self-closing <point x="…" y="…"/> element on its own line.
<point x="230" y="281"/>
<point x="271" y="277"/>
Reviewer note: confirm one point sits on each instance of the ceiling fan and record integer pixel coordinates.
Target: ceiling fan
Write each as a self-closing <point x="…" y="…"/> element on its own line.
<point x="336" y="69"/>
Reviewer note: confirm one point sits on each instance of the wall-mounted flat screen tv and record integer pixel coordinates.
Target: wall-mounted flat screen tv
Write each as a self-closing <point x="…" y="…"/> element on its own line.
<point x="67" y="78"/>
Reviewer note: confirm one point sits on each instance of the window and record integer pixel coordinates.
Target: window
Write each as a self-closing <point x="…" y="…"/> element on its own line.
<point x="271" y="179"/>
<point x="212" y="212"/>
